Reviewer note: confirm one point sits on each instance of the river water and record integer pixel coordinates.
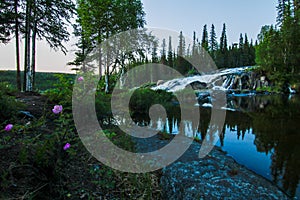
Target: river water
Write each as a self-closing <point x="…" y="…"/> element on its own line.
<point x="261" y="132"/>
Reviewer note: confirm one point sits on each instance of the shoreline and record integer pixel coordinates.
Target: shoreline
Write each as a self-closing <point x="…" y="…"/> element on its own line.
<point x="213" y="177"/>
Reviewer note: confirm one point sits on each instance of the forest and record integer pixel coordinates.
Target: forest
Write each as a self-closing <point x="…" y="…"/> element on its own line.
<point x="275" y="50"/>
<point x="42" y="155"/>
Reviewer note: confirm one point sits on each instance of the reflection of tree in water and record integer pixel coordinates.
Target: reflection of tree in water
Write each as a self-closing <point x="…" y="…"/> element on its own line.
<point x="274" y="122"/>
<point x="272" y="119"/>
<point x="248" y="103"/>
<point x="276" y="130"/>
<point x="238" y="122"/>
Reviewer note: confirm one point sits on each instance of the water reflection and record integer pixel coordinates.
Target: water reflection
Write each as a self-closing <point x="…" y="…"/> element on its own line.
<point x="262" y="134"/>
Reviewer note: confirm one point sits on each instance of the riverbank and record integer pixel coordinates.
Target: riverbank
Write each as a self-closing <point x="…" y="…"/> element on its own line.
<point x="79" y="175"/>
<point x="217" y="176"/>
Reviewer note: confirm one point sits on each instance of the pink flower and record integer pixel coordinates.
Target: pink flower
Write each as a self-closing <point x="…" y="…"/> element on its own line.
<point x="8" y="127"/>
<point x="57" y="109"/>
<point x="67" y="146"/>
<point x="80" y="78"/>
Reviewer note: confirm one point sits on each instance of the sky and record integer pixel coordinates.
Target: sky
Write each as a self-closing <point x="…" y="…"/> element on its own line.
<point x="240" y="16"/>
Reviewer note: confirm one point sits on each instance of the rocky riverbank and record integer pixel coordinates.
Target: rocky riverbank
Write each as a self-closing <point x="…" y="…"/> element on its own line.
<point x="217" y="176"/>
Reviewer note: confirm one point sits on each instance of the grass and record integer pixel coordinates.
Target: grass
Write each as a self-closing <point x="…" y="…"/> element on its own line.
<point x="33" y="165"/>
<point x="44" y="80"/>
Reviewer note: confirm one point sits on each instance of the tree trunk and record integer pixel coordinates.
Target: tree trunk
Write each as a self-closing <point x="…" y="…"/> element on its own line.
<point x="27" y="71"/>
<point x="107" y="74"/>
<point x="106" y="83"/>
<point x="33" y="55"/>
<point x="83" y="53"/>
<point x="19" y="85"/>
<point x="100" y="62"/>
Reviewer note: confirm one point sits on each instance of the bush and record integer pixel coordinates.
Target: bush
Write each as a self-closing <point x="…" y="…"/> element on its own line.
<point x="9" y="106"/>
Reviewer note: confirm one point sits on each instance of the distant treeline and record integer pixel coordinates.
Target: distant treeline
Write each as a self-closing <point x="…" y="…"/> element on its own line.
<point x="45" y="80"/>
<point x="225" y="56"/>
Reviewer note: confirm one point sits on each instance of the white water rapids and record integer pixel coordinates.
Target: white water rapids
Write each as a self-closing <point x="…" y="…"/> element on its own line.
<point x="211" y="80"/>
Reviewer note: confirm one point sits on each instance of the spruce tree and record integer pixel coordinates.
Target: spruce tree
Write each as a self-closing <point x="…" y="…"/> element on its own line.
<point x="241" y="51"/>
<point x="222" y="53"/>
<point x="163" y="59"/>
<point x="213" y="45"/>
<point x="154" y="53"/>
<point x="204" y="41"/>
<point x="223" y="40"/>
<point x="181" y="47"/>
<point x="170" y="53"/>
<point x="194" y="48"/>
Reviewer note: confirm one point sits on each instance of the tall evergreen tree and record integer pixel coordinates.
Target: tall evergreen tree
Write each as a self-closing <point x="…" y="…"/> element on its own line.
<point x="6" y="16"/>
<point x="252" y="54"/>
<point x="181" y="47"/>
<point x="181" y="64"/>
<point x="40" y="13"/>
<point x="223" y="40"/>
<point x="17" y="26"/>
<point x="170" y="53"/>
<point x="241" y="51"/>
<point x="281" y="11"/>
<point x="154" y="53"/>
<point x="246" y="52"/>
<point x="270" y="61"/>
<point x="10" y="22"/>
<point x="194" y="48"/>
<point x="222" y="53"/>
<point x="163" y="59"/>
<point x="213" y="45"/>
<point x="204" y="41"/>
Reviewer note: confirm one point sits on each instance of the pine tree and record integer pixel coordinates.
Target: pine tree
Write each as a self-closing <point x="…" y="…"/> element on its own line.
<point x="6" y="16"/>
<point x="281" y="11"/>
<point x="213" y="45"/>
<point x="163" y="59"/>
<point x="246" y="52"/>
<point x="241" y="51"/>
<point x="170" y="53"/>
<point x="223" y="40"/>
<point x="154" y="53"/>
<point x="204" y="41"/>
<point x="181" y="65"/>
<point x="194" y="48"/>
<point x="222" y="53"/>
<point x="181" y="47"/>
<point x="252" y="54"/>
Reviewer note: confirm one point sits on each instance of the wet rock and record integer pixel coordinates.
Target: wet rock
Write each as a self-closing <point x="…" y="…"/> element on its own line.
<point x="217" y="176"/>
<point x="160" y="82"/>
<point x="197" y="85"/>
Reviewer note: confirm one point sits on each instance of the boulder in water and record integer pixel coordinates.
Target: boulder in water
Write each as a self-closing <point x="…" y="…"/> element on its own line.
<point x="197" y="85"/>
<point x="159" y="82"/>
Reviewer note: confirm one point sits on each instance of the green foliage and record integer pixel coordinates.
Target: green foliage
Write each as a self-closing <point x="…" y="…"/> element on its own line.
<point x="213" y="44"/>
<point x="204" y="41"/>
<point x="164" y="135"/>
<point x="268" y="89"/>
<point x="6" y="14"/>
<point x="278" y="50"/>
<point x="62" y="91"/>
<point x="40" y="146"/>
<point x="99" y="20"/>
<point x="9" y="106"/>
<point x="142" y="99"/>
<point x="44" y="80"/>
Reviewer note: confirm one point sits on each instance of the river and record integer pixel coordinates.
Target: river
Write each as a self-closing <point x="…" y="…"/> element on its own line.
<point x="261" y="132"/>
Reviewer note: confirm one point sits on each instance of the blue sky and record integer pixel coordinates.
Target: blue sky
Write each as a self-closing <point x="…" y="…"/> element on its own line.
<point x="240" y="16"/>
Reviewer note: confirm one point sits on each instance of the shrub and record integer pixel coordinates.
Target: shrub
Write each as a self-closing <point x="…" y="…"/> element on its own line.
<point x="9" y="106"/>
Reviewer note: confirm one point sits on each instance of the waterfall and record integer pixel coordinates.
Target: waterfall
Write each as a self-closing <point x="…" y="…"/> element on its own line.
<point x="212" y="81"/>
